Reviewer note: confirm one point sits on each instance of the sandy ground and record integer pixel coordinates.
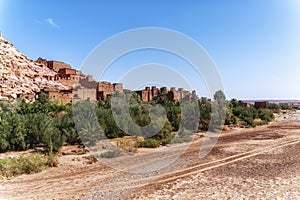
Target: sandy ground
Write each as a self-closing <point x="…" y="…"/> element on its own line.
<point x="256" y="163"/>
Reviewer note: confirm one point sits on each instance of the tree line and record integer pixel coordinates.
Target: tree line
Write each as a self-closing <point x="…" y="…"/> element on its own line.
<point x="51" y="124"/>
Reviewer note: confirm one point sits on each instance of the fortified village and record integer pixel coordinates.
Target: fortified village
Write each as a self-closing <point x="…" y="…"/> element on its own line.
<point x="84" y="87"/>
<point x="25" y="78"/>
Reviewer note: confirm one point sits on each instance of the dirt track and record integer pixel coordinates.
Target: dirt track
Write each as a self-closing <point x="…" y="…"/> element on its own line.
<point x="258" y="163"/>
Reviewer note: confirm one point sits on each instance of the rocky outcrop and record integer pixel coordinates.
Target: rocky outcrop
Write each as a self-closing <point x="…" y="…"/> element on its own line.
<point x="20" y="76"/>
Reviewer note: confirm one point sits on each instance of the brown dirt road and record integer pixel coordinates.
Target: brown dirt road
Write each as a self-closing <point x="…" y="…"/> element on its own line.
<point x="256" y="163"/>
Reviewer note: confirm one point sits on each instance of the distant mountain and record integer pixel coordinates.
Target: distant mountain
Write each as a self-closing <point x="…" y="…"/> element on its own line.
<point x="274" y="101"/>
<point x="20" y="76"/>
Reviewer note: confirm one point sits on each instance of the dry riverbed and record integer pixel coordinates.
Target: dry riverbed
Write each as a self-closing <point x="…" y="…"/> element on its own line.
<point x="256" y="163"/>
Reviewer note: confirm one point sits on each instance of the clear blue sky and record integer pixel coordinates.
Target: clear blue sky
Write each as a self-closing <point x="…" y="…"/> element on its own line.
<point x="255" y="44"/>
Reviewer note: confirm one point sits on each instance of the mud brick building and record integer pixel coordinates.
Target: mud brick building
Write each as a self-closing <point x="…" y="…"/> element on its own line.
<point x="42" y="61"/>
<point x="60" y="95"/>
<point x="177" y="95"/>
<point x="88" y="82"/>
<point x="174" y="94"/>
<point x="148" y="93"/>
<point x="57" y="65"/>
<point x="260" y="104"/>
<point x="68" y="76"/>
<point x="106" y="89"/>
<point x="84" y="94"/>
<point x="84" y="87"/>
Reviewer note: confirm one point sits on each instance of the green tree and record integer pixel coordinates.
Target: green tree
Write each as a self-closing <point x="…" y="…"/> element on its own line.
<point x="161" y="97"/>
<point x="107" y="122"/>
<point x="86" y="122"/>
<point x="218" y="113"/>
<point x="230" y="118"/>
<point x="273" y="106"/>
<point x="18" y="132"/>
<point x="284" y="106"/>
<point x="5" y="129"/>
<point x="67" y="127"/>
<point x="34" y="128"/>
<point x="41" y="129"/>
<point x="173" y="114"/>
<point x="189" y="116"/>
<point x="266" y="115"/>
<point x="219" y="96"/>
<point x="52" y="139"/>
<point x="12" y="128"/>
<point x="165" y="136"/>
<point x="205" y="113"/>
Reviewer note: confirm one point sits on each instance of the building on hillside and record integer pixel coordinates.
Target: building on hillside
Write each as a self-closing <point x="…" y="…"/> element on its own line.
<point x="68" y="76"/>
<point x="57" y="65"/>
<point x="106" y="89"/>
<point x="260" y="104"/>
<point x="81" y="93"/>
<point x="180" y="94"/>
<point x="54" y="65"/>
<point x="118" y="87"/>
<point x="64" y="96"/>
<point x="175" y="95"/>
<point x="88" y="82"/>
<point x="86" y="88"/>
<point x="148" y="93"/>
<point x="51" y="77"/>
<point x="42" y="61"/>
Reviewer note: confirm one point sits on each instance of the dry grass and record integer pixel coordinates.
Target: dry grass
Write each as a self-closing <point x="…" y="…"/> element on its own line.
<point x="128" y="143"/>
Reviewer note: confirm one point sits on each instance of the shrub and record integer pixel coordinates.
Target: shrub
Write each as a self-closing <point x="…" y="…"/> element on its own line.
<point x="266" y="115"/>
<point x="182" y="138"/>
<point x="148" y="143"/>
<point x="177" y="139"/>
<point x="52" y="160"/>
<point x="127" y="143"/>
<point x="249" y="121"/>
<point x="273" y="106"/>
<point x="259" y="123"/>
<point x="32" y="163"/>
<point x="167" y="138"/>
<point x="284" y="106"/>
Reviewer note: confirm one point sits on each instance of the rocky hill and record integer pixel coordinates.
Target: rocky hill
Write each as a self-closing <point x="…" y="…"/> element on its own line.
<point x="19" y="75"/>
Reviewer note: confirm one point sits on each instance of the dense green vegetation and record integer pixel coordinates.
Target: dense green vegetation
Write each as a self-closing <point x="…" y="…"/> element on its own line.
<point x="149" y="143"/>
<point x="238" y="113"/>
<point x="32" y="163"/>
<point x="51" y="124"/>
<point x="277" y="107"/>
<point x="42" y="123"/>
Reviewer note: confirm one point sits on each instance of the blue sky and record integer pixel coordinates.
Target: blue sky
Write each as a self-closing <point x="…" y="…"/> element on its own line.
<point x="255" y="44"/>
